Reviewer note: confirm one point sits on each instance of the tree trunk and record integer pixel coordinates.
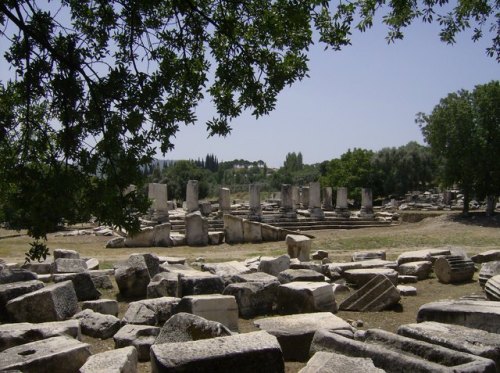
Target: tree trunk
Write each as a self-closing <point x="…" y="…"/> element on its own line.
<point x="490" y="205"/>
<point x="465" y="210"/>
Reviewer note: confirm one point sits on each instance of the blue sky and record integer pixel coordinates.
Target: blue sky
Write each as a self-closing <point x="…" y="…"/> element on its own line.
<point x="365" y="96"/>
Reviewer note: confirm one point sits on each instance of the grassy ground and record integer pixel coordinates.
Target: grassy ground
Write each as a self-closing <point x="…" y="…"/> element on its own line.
<point x="473" y="235"/>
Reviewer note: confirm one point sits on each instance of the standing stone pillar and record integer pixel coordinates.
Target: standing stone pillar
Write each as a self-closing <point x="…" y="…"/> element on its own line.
<point x="224" y="201"/>
<point x="295" y="197"/>
<point x="315" y="201"/>
<point x="192" y="196"/>
<point x="255" y="212"/>
<point x="366" y="203"/>
<point x="341" y="207"/>
<point x="305" y="197"/>
<point x="157" y="193"/>
<point x="287" y="210"/>
<point x="327" y="199"/>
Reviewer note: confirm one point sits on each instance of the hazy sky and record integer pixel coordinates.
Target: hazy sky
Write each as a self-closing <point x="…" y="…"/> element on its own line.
<point x="365" y="96"/>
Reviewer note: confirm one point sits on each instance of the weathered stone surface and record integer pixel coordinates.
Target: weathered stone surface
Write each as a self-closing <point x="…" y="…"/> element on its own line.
<point x="330" y="362"/>
<point x="13" y="290"/>
<point x="133" y="277"/>
<point x="298" y="246"/>
<point x="394" y="353"/>
<point x="101" y="279"/>
<point x="305" y="297"/>
<point x="66" y="265"/>
<point x="200" y="283"/>
<point x="407" y="279"/>
<point x="319" y="255"/>
<point x="92" y="264"/>
<point x="16" y="334"/>
<point x="161" y="235"/>
<point x="421" y="270"/>
<point x="52" y="303"/>
<point x="254" y="277"/>
<point x="196" y="229"/>
<point x="484" y="315"/>
<point x="320" y="268"/>
<point x="291" y="275"/>
<point x="453" y="269"/>
<point x="216" y="238"/>
<point x="144" y="238"/>
<point x="269" y="233"/>
<point x="251" y="231"/>
<point x="56" y="355"/>
<point x="422" y="255"/>
<point x="238" y="353"/>
<point x="118" y="360"/>
<point x="233" y="229"/>
<point x="116" y="243"/>
<point x="97" y="325"/>
<point x="460" y="338"/>
<point x="254" y="298"/>
<point x="359" y="277"/>
<point x="178" y="239"/>
<point x="215" y="307"/>
<point x="151" y="311"/>
<point x="273" y="266"/>
<point x="41" y="268"/>
<point x="104" y="306"/>
<point x="377" y="294"/>
<point x="8" y="275"/>
<point x="487" y="256"/>
<point x="368" y="255"/>
<point x="295" y="332"/>
<point x="164" y="284"/>
<point x="492" y="288"/>
<point x="142" y="337"/>
<point x="407" y="290"/>
<point x="488" y="270"/>
<point x="226" y="269"/>
<point x="184" y="327"/>
<point x="340" y="268"/>
<point x="82" y="282"/>
<point x="65" y="253"/>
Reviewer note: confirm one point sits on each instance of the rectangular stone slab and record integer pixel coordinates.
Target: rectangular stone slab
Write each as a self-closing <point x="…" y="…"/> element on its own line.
<point x="242" y="353"/>
<point x="484" y="315"/>
<point x="54" y="355"/>
<point x="391" y="352"/>
<point x="457" y="337"/>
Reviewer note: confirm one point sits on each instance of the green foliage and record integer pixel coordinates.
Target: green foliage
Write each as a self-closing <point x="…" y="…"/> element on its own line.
<point x="293" y="162"/>
<point x="463" y="131"/>
<point x="38" y="251"/>
<point x="177" y="176"/>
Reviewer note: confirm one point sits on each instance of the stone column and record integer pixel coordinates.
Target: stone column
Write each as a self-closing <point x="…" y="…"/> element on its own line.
<point x="305" y="197"/>
<point x="157" y="193"/>
<point x="295" y="197"/>
<point x="224" y="201"/>
<point x="192" y="196"/>
<point x="327" y="199"/>
<point x="341" y="207"/>
<point x="255" y="212"/>
<point x="287" y="210"/>
<point x="366" y="203"/>
<point x="315" y="201"/>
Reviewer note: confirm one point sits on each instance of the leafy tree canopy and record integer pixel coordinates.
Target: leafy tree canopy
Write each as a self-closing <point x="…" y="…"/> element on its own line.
<point x="98" y="84"/>
<point x="463" y="131"/>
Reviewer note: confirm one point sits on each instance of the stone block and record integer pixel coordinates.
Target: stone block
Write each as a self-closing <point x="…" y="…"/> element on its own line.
<point x="340" y="267"/>
<point x="185" y="327"/>
<point x="254" y="298"/>
<point x="65" y="253"/>
<point x="488" y="270"/>
<point x="82" y="282"/>
<point x="144" y="238"/>
<point x="66" y="265"/>
<point x="16" y="334"/>
<point x="101" y="279"/>
<point x="104" y="306"/>
<point x="377" y="294"/>
<point x="368" y="255"/>
<point x="331" y="362"/>
<point x="359" y="277"/>
<point x="422" y="255"/>
<point x="319" y="255"/>
<point x="407" y="291"/>
<point x="215" y="307"/>
<point x="8" y="275"/>
<point x="142" y="337"/>
<point x="52" y="303"/>
<point x="273" y="266"/>
<point x="460" y="338"/>
<point x="243" y="353"/>
<point x="200" y="283"/>
<point x="269" y="233"/>
<point x="233" y="229"/>
<point x="196" y="229"/>
<point x="305" y="297"/>
<point x="178" y="239"/>
<point x="487" y="256"/>
<point x="298" y="246"/>
<point x="164" y="284"/>
<point x="97" y="325"/>
<point x="41" y="268"/>
<point x="161" y="235"/>
<point x="116" y="243"/>
<point x="422" y="270"/>
<point x="13" y="290"/>
<point x="226" y="269"/>
<point x="392" y="352"/>
<point x="295" y="332"/>
<point x="251" y="231"/>
<point x="92" y="264"/>
<point x="216" y="238"/>
<point x="118" y="360"/>
<point x="453" y="269"/>
<point x="483" y="315"/>
<point x="151" y="311"/>
<point x="254" y="277"/>
<point x="56" y="355"/>
<point x="292" y="275"/>
<point x="133" y="278"/>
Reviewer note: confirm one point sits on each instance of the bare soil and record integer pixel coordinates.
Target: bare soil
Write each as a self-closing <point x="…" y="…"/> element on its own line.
<point x="473" y="235"/>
